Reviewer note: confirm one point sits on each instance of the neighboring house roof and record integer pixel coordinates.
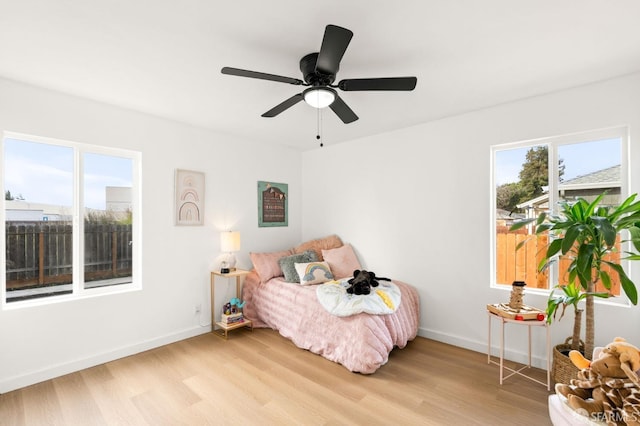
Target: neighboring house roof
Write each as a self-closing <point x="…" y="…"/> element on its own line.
<point x="605" y="178"/>
<point x="46" y="209"/>
<point x="507" y="215"/>
<point x="534" y="201"/>
<point x="502" y="214"/>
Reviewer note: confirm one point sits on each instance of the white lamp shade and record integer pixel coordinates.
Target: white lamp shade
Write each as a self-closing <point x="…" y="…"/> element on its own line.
<point x="230" y="241"/>
<point x="319" y="97"/>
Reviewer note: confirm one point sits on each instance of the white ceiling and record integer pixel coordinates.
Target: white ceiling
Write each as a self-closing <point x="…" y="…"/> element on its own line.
<point x="164" y="57"/>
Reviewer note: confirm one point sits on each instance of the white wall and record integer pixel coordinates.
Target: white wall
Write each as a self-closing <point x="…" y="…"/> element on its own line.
<point x="415" y="204"/>
<point x="40" y="342"/>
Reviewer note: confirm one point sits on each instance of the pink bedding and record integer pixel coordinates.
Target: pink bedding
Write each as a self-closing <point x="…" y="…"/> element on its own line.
<point x="361" y="343"/>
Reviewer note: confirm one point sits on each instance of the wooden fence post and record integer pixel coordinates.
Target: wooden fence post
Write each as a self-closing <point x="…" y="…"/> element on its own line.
<point x="40" y="257"/>
<point x="114" y="253"/>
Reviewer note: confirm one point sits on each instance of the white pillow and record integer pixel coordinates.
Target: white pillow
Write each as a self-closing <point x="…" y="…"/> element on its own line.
<point x="314" y="273"/>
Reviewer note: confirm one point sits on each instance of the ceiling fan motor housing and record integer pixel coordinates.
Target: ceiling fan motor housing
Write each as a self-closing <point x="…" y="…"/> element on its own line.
<point x="311" y="76"/>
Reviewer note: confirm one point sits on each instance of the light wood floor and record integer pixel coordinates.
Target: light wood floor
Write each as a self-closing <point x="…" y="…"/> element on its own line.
<point x="261" y="378"/>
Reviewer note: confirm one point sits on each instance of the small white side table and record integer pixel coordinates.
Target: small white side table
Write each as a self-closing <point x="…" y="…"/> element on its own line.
<point x="518" y="371"/>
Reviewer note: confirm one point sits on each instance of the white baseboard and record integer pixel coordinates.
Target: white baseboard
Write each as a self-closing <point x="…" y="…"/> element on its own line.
<point x="52" y="371"/>
<point x="519" y="356"/>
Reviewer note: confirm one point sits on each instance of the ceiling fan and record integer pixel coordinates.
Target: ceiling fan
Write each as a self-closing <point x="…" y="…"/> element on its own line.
<point x="319" y="72"/>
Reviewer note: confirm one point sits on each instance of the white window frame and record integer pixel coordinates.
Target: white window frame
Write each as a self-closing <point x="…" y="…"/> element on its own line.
<point x="78" y="289"/>
<point x="553" y="142"/>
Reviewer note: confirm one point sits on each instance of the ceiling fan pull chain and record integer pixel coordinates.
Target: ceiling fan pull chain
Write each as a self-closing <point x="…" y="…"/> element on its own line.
<point x="319" y="126"/>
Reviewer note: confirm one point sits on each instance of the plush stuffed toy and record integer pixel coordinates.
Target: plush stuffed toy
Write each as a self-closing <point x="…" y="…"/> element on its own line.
<point x="237" y="302"/>
<point x="233" y="306"/>
<point x="629" y="356"/>
<point x="604" y="390"/>
<point x="362" y="282"/>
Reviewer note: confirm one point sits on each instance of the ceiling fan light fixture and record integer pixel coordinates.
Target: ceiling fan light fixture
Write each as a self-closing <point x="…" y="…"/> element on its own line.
<point x="319" y="97"/>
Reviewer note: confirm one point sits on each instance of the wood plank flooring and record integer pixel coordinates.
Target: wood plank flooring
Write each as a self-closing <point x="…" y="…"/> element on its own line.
<point x="260" y="378"/>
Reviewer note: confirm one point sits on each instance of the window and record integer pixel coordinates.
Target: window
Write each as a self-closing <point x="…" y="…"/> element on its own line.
<point x="70" y="213"/>
<point x="533" y="177"/>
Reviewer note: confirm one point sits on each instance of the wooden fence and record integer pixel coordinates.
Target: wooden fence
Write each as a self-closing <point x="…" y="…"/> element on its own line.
<point x="40" y="254"/>
<point x="522" y="265"/>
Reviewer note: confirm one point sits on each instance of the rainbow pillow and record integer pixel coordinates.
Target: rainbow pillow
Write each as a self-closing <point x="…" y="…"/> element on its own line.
<point x="313" y="272"/>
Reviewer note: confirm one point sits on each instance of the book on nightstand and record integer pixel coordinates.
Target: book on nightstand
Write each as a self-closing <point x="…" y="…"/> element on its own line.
<point x="232" y="318"/>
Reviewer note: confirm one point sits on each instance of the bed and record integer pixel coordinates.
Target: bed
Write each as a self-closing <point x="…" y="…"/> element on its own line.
<point x="360" y="342"/>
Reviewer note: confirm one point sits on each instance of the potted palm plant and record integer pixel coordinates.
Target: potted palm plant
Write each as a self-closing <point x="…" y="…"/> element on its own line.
<point x="572" y="294"/>
<point x="586" y="234"/>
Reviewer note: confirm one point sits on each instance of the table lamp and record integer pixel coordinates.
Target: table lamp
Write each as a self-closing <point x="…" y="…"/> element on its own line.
<point x="229" y="243"/>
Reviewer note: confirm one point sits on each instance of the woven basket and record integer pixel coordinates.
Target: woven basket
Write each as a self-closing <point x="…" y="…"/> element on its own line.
<point x="563" y="370"/>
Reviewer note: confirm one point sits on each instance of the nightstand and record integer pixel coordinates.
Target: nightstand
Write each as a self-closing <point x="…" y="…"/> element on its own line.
<point x="219" y="328"/>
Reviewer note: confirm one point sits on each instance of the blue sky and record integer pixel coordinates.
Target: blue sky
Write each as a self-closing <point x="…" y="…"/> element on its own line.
<point x="43" y="173"/>
<point x="579" y="159"/>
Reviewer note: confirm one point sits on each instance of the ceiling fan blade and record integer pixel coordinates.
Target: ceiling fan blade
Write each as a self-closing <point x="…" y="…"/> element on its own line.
<point x="391" y="83"/>
<point x="262" y="76"/>
<point x="283" y="106"/>
<point x="334" y="44"/>
<point x="343" y="111"/>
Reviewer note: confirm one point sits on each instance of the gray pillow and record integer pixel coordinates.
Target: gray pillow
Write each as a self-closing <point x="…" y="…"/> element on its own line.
<point x="287" y="264"/>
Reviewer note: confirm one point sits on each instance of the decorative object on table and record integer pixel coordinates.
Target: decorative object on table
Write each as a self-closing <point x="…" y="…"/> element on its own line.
<point x="586" y="233"/>
<point x="516" y="309"/>
<point x="232" y="312"/>
<point x="189" y="197"/>
<point x="236" y="305"/>
<point x="525" y="313"/>
<point x="229" y="244"/>
<point x="233" y="306"/>
<point x="607" y="387"/>
<point x="273" y="204"/>
<point x="517" y="293"/>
